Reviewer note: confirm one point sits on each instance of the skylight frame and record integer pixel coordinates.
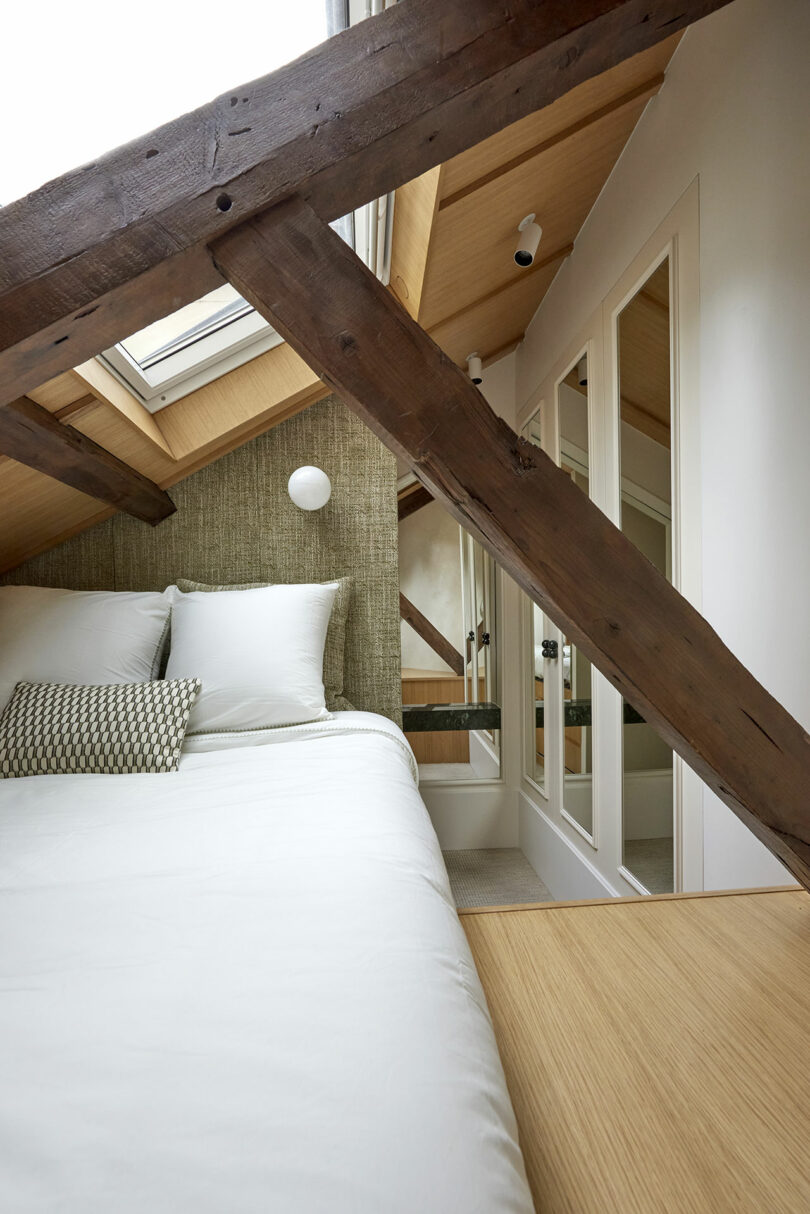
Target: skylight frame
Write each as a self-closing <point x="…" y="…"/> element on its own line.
<point x="165" y="377"/>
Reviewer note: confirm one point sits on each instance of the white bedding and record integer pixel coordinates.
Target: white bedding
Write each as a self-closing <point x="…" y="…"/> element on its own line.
<point x="241" y="988"/>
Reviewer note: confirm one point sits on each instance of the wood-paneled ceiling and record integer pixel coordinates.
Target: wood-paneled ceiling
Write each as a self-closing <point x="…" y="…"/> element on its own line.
<point x="456" y="227"/>
<point x="452" y="268"/>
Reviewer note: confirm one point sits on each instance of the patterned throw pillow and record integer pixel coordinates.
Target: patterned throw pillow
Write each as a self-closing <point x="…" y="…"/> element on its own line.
<point x="335" y="635"/>
<point x="109" y="729"/>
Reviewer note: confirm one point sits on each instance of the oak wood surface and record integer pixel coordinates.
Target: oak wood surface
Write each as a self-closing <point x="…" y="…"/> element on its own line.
<point x="656" y="1050"/>
<point x="32" y="436"/>
<point x="97" y="254"/>
<point x="623" y="615"/>
<point x="431" y="635"/>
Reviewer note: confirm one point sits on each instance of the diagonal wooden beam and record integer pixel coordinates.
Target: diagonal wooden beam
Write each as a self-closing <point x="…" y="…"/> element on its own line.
<point x="431" y="635"/>
<point x="412" y="499"/>
<point x="33" y="436"/>
<point x="611" y="602"/>
<point x="97" y="254"/>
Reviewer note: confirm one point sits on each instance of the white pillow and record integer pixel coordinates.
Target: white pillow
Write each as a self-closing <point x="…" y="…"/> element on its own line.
<point x="79" y="636"/>
<point x="258" y="652"/>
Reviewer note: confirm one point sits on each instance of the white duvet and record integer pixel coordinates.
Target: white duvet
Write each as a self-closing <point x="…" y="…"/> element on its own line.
<point x="243" y="987"/>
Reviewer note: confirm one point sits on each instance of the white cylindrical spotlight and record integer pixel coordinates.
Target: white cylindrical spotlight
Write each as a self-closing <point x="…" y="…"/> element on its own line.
<point x="309" y="488"/>
<point x="529" y="234"/>
<point x="474" y="368"/>
<point x="582" y="371"/>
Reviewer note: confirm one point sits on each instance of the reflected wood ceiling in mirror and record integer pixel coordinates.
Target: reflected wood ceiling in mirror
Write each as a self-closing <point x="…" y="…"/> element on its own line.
<point x="644" y="365"/>
<point x="452" y="268"/>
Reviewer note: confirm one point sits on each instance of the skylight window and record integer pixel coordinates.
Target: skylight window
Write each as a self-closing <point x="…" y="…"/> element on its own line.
<point x="66" y="127"/>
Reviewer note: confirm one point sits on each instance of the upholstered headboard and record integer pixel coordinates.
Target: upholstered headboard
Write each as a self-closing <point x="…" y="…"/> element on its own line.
<point x="235" y="523"/>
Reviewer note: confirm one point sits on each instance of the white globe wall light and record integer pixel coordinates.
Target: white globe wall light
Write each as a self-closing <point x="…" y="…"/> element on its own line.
<point x="309" y="488"/>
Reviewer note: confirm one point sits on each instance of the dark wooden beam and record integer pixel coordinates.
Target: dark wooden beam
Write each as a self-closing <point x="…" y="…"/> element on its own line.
<point x="412" y="499"/>
<point x="33" y="436"/>
<point x="97" y="254"/>
<point x="561" y="549"/>
<point x="430" y="635"/>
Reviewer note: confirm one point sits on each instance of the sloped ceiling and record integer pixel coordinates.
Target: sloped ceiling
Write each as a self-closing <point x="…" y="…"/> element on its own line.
<point x="452" y="268"/>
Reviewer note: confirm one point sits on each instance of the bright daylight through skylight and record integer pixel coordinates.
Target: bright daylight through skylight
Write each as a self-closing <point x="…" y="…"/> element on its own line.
<point x="138" y="75"/>
<point x="106" y="75"/>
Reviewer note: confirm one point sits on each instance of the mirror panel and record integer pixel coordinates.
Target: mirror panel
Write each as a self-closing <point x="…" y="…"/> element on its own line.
<point x="536" y="760"/>
<point x="573" y="405"/>
<point x="646" y="513"/>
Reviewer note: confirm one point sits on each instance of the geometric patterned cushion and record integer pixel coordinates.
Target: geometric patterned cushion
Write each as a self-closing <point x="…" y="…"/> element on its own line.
<point x="109" y="729"/>
<point x="335" y="636"/>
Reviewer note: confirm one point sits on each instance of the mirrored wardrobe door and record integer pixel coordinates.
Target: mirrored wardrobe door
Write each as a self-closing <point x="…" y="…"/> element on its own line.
<point x="536" y="757"/>
<point x="573" y="414"/>
<point x="645" y="428"/>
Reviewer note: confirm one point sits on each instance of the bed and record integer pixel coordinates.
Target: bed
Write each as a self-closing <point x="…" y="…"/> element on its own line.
<point x="243" y="987"/>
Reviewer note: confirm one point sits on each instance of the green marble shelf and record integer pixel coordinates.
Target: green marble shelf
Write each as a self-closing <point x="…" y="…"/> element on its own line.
<point x="578" y="712"/>
<point x="427" y="718"/>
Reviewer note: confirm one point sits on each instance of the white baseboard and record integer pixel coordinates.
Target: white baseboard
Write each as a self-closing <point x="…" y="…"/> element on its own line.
<point x="557" y="862"/>
<point x="472" y="815"/>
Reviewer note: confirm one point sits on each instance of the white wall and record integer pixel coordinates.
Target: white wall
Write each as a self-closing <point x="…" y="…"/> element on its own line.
<point x="430" y="576"/>
<point x="735" y="111"/>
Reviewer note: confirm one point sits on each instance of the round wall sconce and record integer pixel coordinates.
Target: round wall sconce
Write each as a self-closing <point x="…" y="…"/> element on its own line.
<point x="474" y="368"/>
<point x="309" y="488"/>
<point x="529" y="234"/>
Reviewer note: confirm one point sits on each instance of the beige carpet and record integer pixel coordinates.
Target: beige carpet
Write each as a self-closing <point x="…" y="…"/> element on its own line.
<point x="650" y="861"/>
<point x="493" y="876"/>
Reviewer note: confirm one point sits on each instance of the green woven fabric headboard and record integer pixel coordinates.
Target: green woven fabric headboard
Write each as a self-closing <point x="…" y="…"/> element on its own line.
<point x="236" y="523"/>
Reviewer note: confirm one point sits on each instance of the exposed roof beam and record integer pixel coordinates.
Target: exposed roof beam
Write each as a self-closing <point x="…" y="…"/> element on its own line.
<point x="412" y="499"/>
<point x="431" y="635"/>
<point x="610" y="600"/>
<point x="97" y="254"/>
<point x="33" y="436"/>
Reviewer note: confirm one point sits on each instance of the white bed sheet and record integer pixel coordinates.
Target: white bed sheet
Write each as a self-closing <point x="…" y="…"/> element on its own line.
<point x="244" y="988"/>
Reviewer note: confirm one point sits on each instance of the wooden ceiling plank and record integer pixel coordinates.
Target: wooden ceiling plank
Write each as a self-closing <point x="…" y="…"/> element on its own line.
<point x="95" y="255"/>
<point x="551" y="260"/>
<point x="415" y="209"/>
<point x="105" y="387"/>
<point x="642" y="92"/>
<point x="652" y="645"/>
<point x="474" y="240"/>
<point x="31" y="435"/>
<point x="492" y="324"/>
<point x="562" y="113"/>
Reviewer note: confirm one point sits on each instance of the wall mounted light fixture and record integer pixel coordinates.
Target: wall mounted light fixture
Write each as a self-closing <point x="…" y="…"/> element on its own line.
<point x="582" y="371"/>
<point x="309" y="488"/>
<point x="529" y="234"/>
<point x="474" y="368"/>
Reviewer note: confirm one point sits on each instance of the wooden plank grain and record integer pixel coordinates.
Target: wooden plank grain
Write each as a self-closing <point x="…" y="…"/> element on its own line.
<point x="652" y="645"/>
<point x="99" y="253"/>
<point x="31" y="435"/>
<point x="653" y="1048"/>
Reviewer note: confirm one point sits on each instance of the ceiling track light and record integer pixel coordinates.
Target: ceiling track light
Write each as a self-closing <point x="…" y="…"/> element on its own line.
<point x="529" y="234"/>
<point x="474" y="368"/>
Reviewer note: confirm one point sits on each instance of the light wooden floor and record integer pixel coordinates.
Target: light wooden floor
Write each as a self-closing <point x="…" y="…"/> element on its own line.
<point x="657" y="1050"/>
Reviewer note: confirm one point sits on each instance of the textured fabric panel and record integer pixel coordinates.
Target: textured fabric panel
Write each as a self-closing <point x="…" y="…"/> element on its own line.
<point x="235" y="523"/>
<point x="86" y="562"/>
<point x="334" y="649"/>
<point x="112" y="729"/>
